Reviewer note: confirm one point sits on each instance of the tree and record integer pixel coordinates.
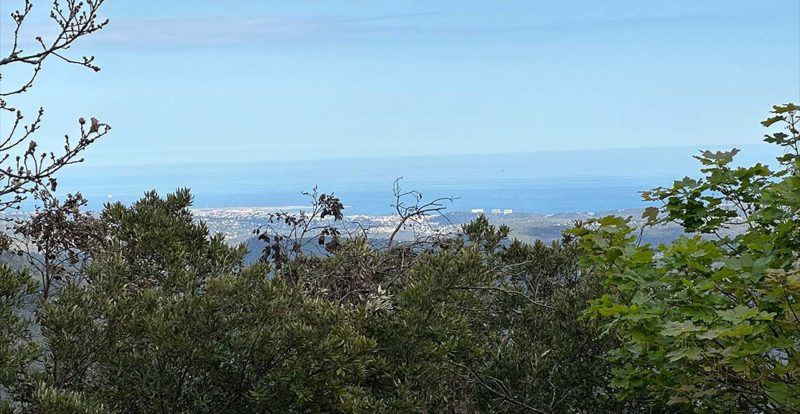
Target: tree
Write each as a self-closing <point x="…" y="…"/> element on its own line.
<point x="474" y="323"/>
<point x="288" y="237"/>
<point x="17" y="350"/>
<point x="23" y="168"/>
<point x="709" y="323"/>
<point x="172" y="322"/>
<point x="26" y="170"/>
<point x="58" y="240"/>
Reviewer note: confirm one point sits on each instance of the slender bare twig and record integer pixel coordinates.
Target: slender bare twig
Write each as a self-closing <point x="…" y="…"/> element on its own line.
<point x="417" y="211"/>
<point x="24" y="169"/>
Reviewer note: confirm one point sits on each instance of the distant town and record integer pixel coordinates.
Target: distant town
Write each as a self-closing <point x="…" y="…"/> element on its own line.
<point x="237" y="224"/>
<point x="504" y="211"/>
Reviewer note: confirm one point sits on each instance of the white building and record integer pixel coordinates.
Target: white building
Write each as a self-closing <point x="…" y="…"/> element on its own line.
<point x="476" y="211"/>
<point x="507" y="211"/>
<point x="497" y="211"/>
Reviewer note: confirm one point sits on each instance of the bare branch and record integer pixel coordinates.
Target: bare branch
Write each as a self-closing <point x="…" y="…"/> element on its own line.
<point x="415" y="212"/>
<point x="23" y="169"/>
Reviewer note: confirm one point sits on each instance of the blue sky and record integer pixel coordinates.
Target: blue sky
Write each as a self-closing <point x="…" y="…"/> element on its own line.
<point x="236" y="81"/>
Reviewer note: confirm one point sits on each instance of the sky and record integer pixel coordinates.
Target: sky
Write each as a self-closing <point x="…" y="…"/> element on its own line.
<point x="197" y="81"/>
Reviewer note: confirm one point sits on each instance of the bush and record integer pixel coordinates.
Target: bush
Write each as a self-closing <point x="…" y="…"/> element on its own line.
<point x="710" y="322"/>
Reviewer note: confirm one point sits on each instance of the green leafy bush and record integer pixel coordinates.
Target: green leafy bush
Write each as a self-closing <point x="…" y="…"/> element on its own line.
<point x="710" y="322"/>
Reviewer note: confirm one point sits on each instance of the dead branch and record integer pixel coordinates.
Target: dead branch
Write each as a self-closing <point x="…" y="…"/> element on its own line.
<point x="416" y="211"/>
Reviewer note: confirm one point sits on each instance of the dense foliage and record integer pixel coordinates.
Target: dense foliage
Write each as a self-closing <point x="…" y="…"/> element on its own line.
<point x="152" y="313"/>
<point x="710" y="322"/>
<point x="168" y="319"/>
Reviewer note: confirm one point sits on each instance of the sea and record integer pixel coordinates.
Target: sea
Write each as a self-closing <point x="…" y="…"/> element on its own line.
<point x="536" y="182"/>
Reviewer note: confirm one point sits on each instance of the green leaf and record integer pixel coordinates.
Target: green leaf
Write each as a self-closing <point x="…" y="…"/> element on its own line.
<point x="693" y="353"/>
<point x="737" y="314"/>
<point x="650" y="214"/>
<point x="769" y="121"/>
<point x="616" y="309"/>
<point x="781" y="109"/>
<point x="680" y="328"/>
